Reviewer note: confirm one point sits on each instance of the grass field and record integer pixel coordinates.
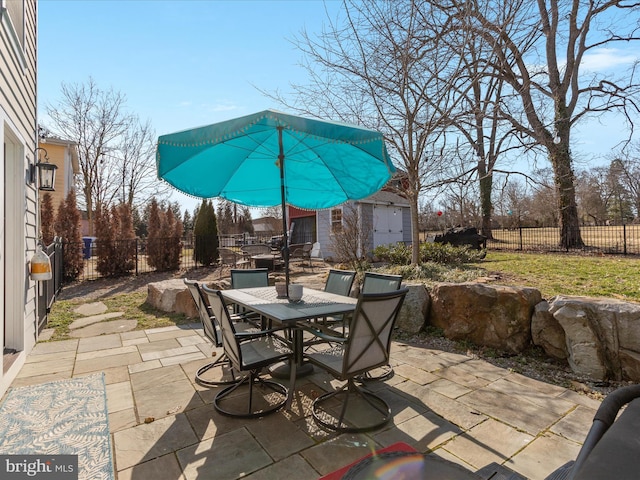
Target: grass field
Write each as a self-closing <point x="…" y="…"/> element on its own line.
<point x="554" y="274"/>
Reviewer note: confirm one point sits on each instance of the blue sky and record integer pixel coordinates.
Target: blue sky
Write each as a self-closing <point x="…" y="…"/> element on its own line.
<point x="184" y="64"/>
<point x="181" y="64"/>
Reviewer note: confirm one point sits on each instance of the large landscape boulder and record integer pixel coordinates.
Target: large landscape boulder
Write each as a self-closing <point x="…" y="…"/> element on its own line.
<point x="413" y="313"/>
<point x="172" y="296"/>
<point x="488" y="315"/>
<point x="602" y="336"/>
<point x="546" y="332"/>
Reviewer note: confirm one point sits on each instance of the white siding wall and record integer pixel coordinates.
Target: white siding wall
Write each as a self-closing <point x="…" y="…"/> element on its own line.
<point x="323" y="219"/>
<point x="18" y="130"/>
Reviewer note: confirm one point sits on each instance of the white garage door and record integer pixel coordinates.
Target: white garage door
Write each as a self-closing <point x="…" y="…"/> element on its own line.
<point x="387" y="225"/>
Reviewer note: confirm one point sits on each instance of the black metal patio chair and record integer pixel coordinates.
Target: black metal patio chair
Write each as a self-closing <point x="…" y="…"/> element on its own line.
<point x="366" y="347"/>
<point x="379" y="283"/>
<point x="249" y="352"/>
<point x="340" y="283"/>
<point x="211" y="332"/>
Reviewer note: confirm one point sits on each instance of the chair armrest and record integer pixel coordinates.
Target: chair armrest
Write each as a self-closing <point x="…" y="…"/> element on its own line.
<point x="324" y="336"/>
<point x="261" y="333"/>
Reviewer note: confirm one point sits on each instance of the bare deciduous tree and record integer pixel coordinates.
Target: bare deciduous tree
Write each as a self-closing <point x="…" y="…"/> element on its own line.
<point x="542" y="62"/>
<point x="116" y="150"/>
<point x="135" y="164"/>
<point x="592" y="196"/>
<point x="383" y="67"/>
<point x="95" y="119"/>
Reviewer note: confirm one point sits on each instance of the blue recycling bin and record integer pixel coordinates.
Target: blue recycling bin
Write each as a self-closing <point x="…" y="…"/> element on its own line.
<point x="86" y="249"/>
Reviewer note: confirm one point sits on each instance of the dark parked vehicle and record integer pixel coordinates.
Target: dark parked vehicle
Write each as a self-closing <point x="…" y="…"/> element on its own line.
<point x="460" y="236"/>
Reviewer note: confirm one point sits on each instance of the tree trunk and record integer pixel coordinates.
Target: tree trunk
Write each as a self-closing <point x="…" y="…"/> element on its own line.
<point x="565" y="186"/>
<point x="486" y="185"/>
<point x="415" y="229"/>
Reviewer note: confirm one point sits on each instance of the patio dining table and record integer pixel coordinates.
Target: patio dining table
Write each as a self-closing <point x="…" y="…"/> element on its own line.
<point x="314" y="304"/>
<point x="269" y="261"/>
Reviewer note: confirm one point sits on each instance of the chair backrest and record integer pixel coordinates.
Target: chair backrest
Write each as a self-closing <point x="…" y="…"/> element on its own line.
<point x="340" y="282"/>
<point x="380" y="283"/>
<point x="249" y="278"/>
<point x="221" y="312"/>
<point x="204" y="311"/>
<point x="227" y="256"/>
<point x="370" y="331"/>
<point x="315" y="250"/>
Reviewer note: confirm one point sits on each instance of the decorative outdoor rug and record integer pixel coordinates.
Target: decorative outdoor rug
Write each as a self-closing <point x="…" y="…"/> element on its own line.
<point x="61" y="417"/>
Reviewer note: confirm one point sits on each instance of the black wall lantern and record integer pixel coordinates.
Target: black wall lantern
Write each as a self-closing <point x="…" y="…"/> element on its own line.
<point x="46" y="173"/>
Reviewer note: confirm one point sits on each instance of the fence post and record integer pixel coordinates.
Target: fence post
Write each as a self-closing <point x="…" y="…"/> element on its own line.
<point x="520" y="230"/>
<point x="136" y="245"/>
<point x="624" y="237"/>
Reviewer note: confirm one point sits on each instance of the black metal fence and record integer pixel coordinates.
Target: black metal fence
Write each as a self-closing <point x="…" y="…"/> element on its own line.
<point x="615" y="239"/>
<point x="138" y="248"/>
<point x="49" y="289"/>
<point x="619" y="239"/>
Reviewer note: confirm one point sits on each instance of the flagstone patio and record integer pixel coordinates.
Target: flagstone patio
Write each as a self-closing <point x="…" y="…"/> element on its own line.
<point x="458" y="407"/>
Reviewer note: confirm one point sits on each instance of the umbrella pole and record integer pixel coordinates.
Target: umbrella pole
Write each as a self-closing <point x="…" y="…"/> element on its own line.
<point x="285" y="230"/>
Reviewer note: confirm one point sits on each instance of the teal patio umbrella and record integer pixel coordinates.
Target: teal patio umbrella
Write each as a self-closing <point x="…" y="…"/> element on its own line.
<point x="272" y="158"/>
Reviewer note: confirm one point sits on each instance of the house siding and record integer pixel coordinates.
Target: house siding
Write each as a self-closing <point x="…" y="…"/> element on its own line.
<point x="323" y="230"/>
<point x="60" y="156"/>
<point x="366" y="212"/>
<point x="406" y="226"/>
<point x="18" y="129"/>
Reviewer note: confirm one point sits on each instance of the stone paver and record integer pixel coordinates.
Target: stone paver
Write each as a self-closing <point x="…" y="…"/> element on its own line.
<point x="166" y="466"/>
<point x="341" y="450"/>
<point x="490" y="441"/>
<point x="100" y="363"/>
<point x="46" y="334"/>
<point x="415" y="374"/>
<point x="576" y="424"/>
<point x="93" y="308"/>
<point x="225" y="457"/>
<point x="449" y="389"/>
<point x="542" y="456"/>
<point x="52" y="347"/>
<point x="424" y="432"/>
<point x="119" y="397"/>
<point x="83" y="322"/>
<point x="166" y="399"/>
<point x="101" y="342"/>
<point x="291" y="467"/>
<point x="110" y="326"/>
<point x="279" y="437"/>
<point x="49" y="366"/>
<point x="455" y="411"/>
<point x="151" y="440"/>
<point x="512" y="410"/>
<point x="182" y="358"/>
<point x="161" y="376"/>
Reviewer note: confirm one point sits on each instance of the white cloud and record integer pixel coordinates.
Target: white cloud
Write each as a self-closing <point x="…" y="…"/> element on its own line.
<point x="220" y="107"/>
<point x="607" y="59"/>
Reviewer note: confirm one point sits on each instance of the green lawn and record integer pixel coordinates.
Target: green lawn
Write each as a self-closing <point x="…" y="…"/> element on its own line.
<point x="554" y="274"/>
